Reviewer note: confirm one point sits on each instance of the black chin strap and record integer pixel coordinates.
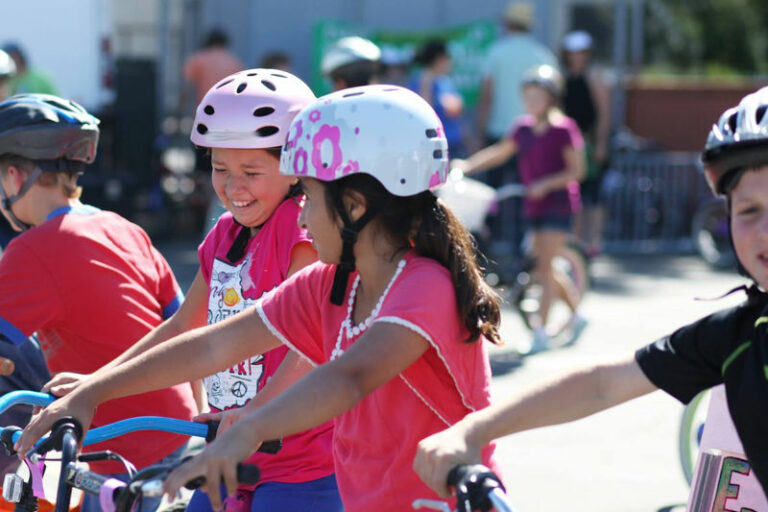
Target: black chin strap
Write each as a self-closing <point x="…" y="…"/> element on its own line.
<point x="8" y="201"/>
<point x="348" y="238"/>
<point x="237" y="250"/>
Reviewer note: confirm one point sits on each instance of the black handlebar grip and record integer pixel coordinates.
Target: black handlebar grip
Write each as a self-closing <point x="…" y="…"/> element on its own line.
<point x="247" y="474"/>
<point x="6" y="439"/>
<point x="271" y="447"/>
<point x="473" y="483"/>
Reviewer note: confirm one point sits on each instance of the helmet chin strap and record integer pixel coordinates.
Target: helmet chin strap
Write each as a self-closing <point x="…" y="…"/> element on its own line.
<point x="349" y="234"/>
<point x="8" y="201"/>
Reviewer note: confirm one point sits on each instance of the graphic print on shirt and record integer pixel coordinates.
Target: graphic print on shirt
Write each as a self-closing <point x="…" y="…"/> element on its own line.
<point x="237" y="386"/>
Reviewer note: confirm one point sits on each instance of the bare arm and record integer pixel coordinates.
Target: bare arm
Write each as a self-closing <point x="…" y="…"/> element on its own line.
<point x="192" y="355"/>
<point x="602" y="96"/>
<point x="331" y="389"/>
<point x="574" y="171"/>
<point x="487" y="158"/>
<point x="571" y="396"/>
<point x="484" y="105"/>
<point x="191" y="314"/>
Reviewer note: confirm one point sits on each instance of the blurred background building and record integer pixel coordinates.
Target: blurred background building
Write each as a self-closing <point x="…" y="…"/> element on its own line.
<point x="674" y="64"/>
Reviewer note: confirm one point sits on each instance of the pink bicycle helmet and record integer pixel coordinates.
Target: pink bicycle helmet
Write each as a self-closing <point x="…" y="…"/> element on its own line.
<point x="251" y="109"/>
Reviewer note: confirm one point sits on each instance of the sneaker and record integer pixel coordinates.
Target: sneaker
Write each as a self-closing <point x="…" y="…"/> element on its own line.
<point x="540" y="341"/>
<point x="576" y="325"/>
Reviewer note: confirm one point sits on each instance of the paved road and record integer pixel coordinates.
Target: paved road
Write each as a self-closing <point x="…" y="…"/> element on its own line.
<point x="623" y="459"/>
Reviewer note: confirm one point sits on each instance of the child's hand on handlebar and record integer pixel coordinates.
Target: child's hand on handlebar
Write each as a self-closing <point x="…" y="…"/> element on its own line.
<point x="439" y="453"/>
<point x="74" y="404"/>
<point x="64" y="383"/>
<point x="226" y="419"/>
<point x="217" y="463"/>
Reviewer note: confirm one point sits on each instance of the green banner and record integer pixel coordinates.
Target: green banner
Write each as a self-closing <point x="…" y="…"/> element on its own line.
<point x="466" y="43"/>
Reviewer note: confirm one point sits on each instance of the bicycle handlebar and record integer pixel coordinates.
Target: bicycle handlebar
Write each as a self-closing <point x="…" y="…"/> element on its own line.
<point x="119" y="428"/>
<point x="478" y="488"/>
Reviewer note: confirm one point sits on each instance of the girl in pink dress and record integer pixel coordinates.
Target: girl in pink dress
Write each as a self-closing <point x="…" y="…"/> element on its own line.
<point x="393" y="317"/>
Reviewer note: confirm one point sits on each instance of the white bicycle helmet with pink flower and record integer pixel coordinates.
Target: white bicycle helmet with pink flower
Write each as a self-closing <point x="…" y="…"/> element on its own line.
<point x="250" y="109"/>
<point x="386" y="131"/>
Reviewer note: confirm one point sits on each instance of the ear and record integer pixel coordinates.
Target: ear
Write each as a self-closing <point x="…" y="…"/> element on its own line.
<point x="355" y="204"/>
<point x="17" y="178"/>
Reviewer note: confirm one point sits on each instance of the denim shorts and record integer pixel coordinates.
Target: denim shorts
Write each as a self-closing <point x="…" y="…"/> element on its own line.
<point x="550" y="223"/>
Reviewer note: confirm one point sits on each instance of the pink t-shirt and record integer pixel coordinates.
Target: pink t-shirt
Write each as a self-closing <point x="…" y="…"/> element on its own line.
<point x="235" y="286"/>
<point x="375" y="442"/>
<point x="540" y="155"/>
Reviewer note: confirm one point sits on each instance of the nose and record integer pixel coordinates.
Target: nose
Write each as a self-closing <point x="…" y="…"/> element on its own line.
<point x="303" y="217"/>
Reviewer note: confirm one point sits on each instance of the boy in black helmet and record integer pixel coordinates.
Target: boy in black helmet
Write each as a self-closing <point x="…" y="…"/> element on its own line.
<point x="729" y="347"/>
<point x="87" y="281"/>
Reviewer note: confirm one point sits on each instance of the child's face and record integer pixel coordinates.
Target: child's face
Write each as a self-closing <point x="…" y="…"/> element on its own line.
<point x="321" y="225"/>
<point x="749" y="222"/>
<point x="537" y="101"/>
<point x="248" y="183"/>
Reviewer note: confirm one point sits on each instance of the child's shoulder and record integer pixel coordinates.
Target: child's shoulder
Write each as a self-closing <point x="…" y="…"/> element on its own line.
<point x="560" y="121"/>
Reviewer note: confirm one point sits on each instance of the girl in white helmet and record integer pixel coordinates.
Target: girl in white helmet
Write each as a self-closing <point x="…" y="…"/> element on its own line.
<point x="243" y="121"/>
<point x="393" y="316"/>
<point x="728" y="349"/>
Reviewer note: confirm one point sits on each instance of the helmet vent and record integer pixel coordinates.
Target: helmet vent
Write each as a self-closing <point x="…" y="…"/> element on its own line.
<point x="263" y="111"/>
<point x="208" y="110"/>
<point x="266" y="131"/>
<point x="358" y="93"/>
<point x="732" y="122"/>
<point x="760" y="113"/>
<point x="251" y="74"/>
<point x="269" y="85"/>
<point x="278" y="75"/>
<point x="431" y="133"/>
<point x="225" y="82"/>
<point x="437" y="154"/>
<point x="202" y="129"/>
<point x="241" y="87"/>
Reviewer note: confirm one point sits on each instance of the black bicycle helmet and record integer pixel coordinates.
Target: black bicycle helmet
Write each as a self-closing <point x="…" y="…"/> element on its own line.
<point x="739" y="140"/>
<point x="46" y="128"/>
<point x="58" y="135"/>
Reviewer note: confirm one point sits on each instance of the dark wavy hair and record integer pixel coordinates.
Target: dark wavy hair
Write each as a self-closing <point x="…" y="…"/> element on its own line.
<point x="426" y="224"/>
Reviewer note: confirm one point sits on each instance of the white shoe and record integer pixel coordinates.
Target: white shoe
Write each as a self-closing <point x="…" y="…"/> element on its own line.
<point x="576" y="325"/>
<point x="540" y="341"/>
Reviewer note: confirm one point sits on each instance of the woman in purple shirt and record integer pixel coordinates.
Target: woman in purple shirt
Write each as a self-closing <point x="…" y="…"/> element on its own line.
<point x="549" y="150"/>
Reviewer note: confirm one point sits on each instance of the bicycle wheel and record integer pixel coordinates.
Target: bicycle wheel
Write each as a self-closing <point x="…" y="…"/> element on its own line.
<point x="571" y="263"/>
<point x="691" y="430"/>
<point x="710" y="235"/>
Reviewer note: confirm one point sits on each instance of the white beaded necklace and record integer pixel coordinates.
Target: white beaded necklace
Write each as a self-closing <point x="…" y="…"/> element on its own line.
<point x="356" y="330"/>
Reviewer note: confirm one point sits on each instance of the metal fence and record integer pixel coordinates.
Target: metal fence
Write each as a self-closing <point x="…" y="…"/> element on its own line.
<point x="650" y="201"/>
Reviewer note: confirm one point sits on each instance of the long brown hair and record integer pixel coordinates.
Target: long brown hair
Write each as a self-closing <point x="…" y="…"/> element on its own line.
<point x="426" y="224"/>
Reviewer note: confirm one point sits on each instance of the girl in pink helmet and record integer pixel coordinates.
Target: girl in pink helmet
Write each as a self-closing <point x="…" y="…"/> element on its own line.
<point x="243" y="121"/>
<point x="393" y="316"/>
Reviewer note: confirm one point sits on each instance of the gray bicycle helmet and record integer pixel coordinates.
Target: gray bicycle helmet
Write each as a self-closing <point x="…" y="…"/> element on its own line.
<point x="7" y="65"/>
<point x="737" y="141"/>
<point x="544" y="76"/>
<point x="58" y="135"/>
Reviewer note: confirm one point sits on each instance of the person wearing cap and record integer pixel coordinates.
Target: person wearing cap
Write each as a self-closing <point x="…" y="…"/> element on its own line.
<point x="351" y="62"/>
<point x="586" y="99"/>
<point x="725" y="350"/>
<point x="27" y="79"/>
<point x="500" y="102"/>
<point x="88" y="282"/>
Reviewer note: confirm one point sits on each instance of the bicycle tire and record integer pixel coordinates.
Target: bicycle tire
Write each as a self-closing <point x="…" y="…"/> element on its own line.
<point x="571" y="261"/>
<point x="709" y="231"/>
<point x="689" y="433"/>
